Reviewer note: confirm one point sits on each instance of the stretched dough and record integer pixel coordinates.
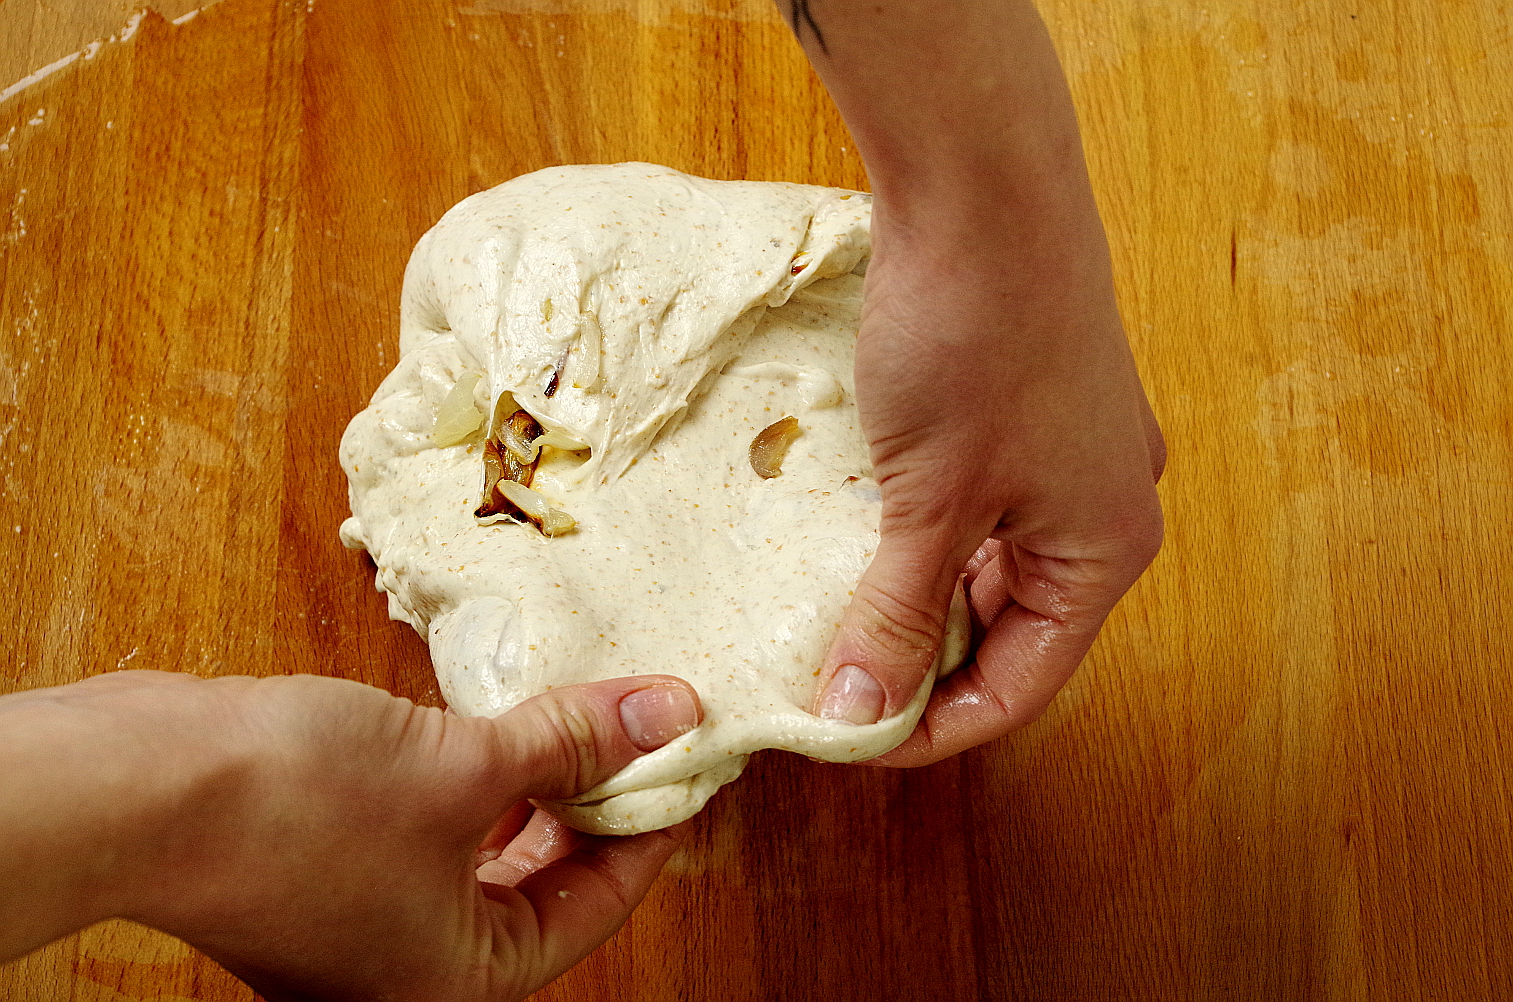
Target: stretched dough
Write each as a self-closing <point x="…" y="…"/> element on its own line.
<point x="661" y="321"/>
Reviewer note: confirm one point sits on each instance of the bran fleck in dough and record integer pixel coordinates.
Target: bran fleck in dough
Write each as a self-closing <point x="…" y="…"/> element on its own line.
<point x="653" y="324"/>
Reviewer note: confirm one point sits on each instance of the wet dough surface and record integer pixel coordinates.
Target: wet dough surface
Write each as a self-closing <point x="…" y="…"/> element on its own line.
<point x="653" y="323"/>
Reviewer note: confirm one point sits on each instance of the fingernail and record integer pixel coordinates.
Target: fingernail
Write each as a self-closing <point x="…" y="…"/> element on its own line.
<point x="853" y="696"/>
<point x="652" y="717"/>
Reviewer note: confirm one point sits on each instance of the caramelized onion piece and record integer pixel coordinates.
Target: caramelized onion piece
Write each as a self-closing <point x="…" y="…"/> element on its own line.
<point x="559" y="440"/>
<point x="771" y="445"/>
<point x="493" y="472"/>
<point x="551" y="521"/>
<point x="510" y="454"/>
<point x="508" y="441"/>
<point x="556" y="380"/>
<point x="517" y="435"/>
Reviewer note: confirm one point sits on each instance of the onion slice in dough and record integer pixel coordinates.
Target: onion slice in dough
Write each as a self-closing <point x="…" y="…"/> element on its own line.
<point x="458" y="417"/>
<point x="771" y="445"/>
<point x="551" y="521"/>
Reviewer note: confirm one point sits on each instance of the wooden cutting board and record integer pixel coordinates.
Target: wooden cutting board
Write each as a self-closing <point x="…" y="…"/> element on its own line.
<point x="1282" y="774"/>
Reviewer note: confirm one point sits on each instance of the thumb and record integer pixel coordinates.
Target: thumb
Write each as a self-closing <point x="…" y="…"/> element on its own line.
<point x="890" y="632"/>
<point x="564" y="742"/>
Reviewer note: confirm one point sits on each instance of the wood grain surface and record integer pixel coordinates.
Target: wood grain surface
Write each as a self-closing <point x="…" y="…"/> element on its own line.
<point x="1282" y="773"/>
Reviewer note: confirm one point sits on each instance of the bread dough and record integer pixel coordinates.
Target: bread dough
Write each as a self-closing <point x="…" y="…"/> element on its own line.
<point x="672" y="318"/>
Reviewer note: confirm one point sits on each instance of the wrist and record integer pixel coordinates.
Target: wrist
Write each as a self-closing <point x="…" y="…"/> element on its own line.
<point x="1036" y="177"/>
<point x="108" y="791"/>
<point x="1033" y="264"/>
<point x="978" y="226"/>
<point x="188" y="827"/>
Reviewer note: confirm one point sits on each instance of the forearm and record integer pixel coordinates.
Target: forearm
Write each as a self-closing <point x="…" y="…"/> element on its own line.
<point x="91" y="812"/>
<point x="959" y="109"/>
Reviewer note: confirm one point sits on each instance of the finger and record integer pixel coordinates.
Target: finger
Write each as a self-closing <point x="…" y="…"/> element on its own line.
<point x="988" y="591"/>
<point x="890" y="632"/>
<point x="1021" y="664"/>
<point x="1032" y="647"/>
<point x="505" y="831"/>
<point x="540" y="842"/>
<point x="986" y="554"/>
<point x="580" y="899"/>
<point x="566" y="741"/>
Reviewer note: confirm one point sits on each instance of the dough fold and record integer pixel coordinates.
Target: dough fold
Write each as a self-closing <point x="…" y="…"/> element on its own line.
<point x="659" y="321"/>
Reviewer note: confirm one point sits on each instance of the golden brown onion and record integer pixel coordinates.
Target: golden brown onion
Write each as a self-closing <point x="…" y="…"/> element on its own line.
<point x="509" y="439"/>
<point x="551" y="521"/>
<point x="516" y="436"/>
<point x="771" y="445"/>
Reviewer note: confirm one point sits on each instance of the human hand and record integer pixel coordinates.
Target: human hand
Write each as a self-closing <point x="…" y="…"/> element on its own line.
<point x="1013" y="443"/>
<point x="328" y="841"/>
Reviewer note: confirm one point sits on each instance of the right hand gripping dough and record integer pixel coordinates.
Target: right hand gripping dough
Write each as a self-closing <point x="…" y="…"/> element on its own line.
<point x="662" y="321"/>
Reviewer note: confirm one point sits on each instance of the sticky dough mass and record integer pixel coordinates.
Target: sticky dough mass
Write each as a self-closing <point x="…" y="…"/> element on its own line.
<point x="679" y="316"/>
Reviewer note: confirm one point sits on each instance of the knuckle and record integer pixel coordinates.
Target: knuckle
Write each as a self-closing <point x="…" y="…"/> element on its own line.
<point x="902" y="630"/>
<point x="1131" y="538"/>
<point x="1156" y="442"/>
<point x="575" y="742"/>
<point x="1158" y="458"/>
<point x="1146" y="533"/>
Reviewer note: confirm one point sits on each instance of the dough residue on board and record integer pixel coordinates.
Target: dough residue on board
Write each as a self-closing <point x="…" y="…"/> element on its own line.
<point x="653" y="325"/>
